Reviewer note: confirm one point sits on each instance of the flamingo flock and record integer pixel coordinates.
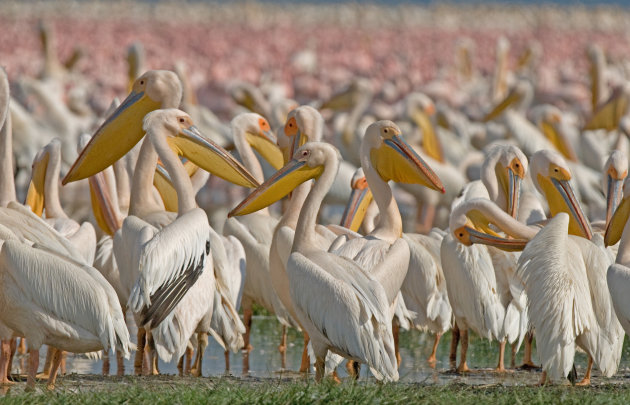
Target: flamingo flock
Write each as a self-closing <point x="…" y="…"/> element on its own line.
<point x="484" y="201"/>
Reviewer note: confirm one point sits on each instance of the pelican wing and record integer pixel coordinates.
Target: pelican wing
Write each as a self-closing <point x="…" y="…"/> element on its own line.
<point x="169" y="265"/>
<point x="229" y="270"/>
<point x="424" y="288"/>
<point x="60" y="288"/>
<point x="618" y="278"/>
<point x="348" y="308"/>
<point x="28" y="226"/>
<point x="553" y="272"/>
<point x="105" y="263"/>
<point x="472" y="288"/>
<point x="191" y="314"/>
<point x="610" y="334"/>
<point x="386" y="262"/>
<point x="255" y="232"/>
<point x="128" y="243"/>
<point x="511" y="294"/>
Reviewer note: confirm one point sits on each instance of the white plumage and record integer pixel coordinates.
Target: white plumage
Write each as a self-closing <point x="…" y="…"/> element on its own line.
<point x="568" y="302"/>
<point x="51" y="299"/>
<point x="424" y="289"/>
<point x="163" y="262"/>
<point x="472" y="288"/>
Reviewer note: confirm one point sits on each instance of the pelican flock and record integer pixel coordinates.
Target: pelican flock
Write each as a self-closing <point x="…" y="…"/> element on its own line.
<point x="491" y="202"/>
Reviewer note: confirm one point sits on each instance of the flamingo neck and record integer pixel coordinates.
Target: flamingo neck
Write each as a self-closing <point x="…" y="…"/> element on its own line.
<point x="51" y="187"/>
<point x="389" y="225"/>
<point x="305" y="233"/>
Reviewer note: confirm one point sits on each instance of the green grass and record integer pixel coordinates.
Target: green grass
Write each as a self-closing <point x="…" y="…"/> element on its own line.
<point x="231" y="392"/>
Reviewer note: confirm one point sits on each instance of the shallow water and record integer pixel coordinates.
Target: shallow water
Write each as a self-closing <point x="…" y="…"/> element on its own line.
<point x="415" y="347"/>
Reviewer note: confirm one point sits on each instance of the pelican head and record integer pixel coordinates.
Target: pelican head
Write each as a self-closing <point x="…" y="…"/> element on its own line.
<point x="360" y="199"/>
<point x="502" y="172"/>
<point x="617" y="222"/>
<point x="249" y="96"/>
<point x="420" y="109"/>
<point x="357" y="95"/>
<point x="257" y="133"/>
<point x="185" y="140"/>
<point x="520" y="96"/>
<point x="122" y="130"/>
<point x="35" y="197"/>
<point x="358" y="90"/>
<point x="304" y="124"/>
<point x="609" y="114"/>
<point x="384" y="149"/>
<point x="465" y="49"/>
<point x="308" y="163"/>
<point x="552" y="176"/>
<point x="475" y="221"/>
<point x="615" y="172"/>
<point x="548" y="118"/>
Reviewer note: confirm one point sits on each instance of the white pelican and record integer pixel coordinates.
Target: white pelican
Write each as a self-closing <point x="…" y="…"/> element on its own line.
<point x="502" y="173"/>
<point x="230" y="269"/>
<point x="40" y="262"/>
<point x="472" y="286"/>
<point x="597" y="75"/>
<point x="480" y="296"/>
<point x="424" y="289"/>
<point x="356" y="97"/>
<point x="380" y="147"/>
<point x="561" y="274"/>
<point x="615" y="173"/>
<point x="618" y="275"/>
<point x="204" y="119"/>
<point x="221" y="320"/>
<point x="70" y="319"/>
<point x="43" y="198"/>
<point x="138" y="245"/>
<point x="343" y="308"/>
<point x="420" y="108"/>
<point x="87" y="319"/>
<point x="152" y="90"/>
<point x="303" y="123"/>
<point x="255" y="231"/>
<point x="7" y="193"/>
<point x="172" y="337"/>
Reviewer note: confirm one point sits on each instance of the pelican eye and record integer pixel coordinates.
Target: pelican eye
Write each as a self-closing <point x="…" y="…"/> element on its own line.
<point x="461" y="235"/>
<point x="182" y="120"/>
<point x="385" y="130"/>
<point x="555" y="170"/>
<point x="141" y="82"/>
